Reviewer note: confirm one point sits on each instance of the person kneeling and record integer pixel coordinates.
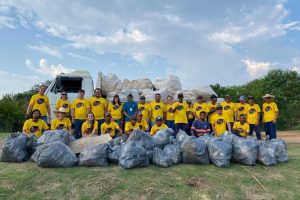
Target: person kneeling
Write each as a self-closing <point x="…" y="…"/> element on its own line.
<point x="61" y="122"/>
<point x="200" y="126"/>
<point x="110" y="127"/>
<point x="90" y="126"/>
<point x="35" y="126"/>
<point x="158" y="126"/>
<point x="132" y="125"/>
<point x="241" y="128"/>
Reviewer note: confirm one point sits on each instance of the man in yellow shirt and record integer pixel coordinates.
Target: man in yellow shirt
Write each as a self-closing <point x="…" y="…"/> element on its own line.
<point x="144" y="108"/>
<point x="98" y="107"/>
<point x="169" y="113"/>
<point x="190" y="116"/>
<point x="142" y="124"/>
<point x="211" y="109"/>
<point x="61" y="122"/>
<point x="158" y="126"/>
<point x="110" y="127"/>
<point x="270" y="115"/>
<point x="219" y="122"/>
<point x="253" y="115"/>
<point x="132" y="125"/>
<point x="240" y="108"/>
<point x="198" y="107"/>
<point x="180" y="110"/>
<point x="157" y="109"/>
<point x="35" y="126"/>
<point x="79" y="110"/>
<point x="241" y="128"/>
<point x="228" y="109"/>
<point x="40" y="102"/>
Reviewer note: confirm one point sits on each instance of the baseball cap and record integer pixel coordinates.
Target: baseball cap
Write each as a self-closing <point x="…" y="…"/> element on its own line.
<point x="200" y="97"/>
<point x="242" y="97"/>
<point x="251" y="97"/>
<point x="227" y="96"/>
<point x="142" y="97"/>
<point x="188" y="101"/>
<point x="213" y="96"/>
<point x="219" y="107"/>
<point x="180" y="95"/>
<point x="108" y="114"/>
<point x="158" y="118"/>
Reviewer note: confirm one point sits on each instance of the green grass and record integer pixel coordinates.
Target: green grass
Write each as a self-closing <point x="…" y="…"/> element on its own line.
<point x="28" y="181"/>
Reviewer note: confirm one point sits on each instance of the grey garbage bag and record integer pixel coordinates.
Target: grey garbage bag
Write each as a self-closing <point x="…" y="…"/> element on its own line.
<point x="280" y="150"/>
<point x="55" y="154"/>
<point x="160" y="158"/>
<point x="162" y="137"/>
<point x="94" y="156"/>
<point x="31" y="145"/>
<point x="244" y="151"/>
<point x="150" y="155"/>
<point x="173" y="151"/>
<point x="194" y="151"/>
<point x="266" y="153"/>
<point x="54" y="135"/>
<point x="14" y="148"/>
<point x="181" y="136"/>
<point x="133" y="155"/>
<point x="114" y="154"/>
<point x="144" y="138"/>
<point x="118" y="140"/>
<point x="220" y="152"/>
<point x="206" y="138"/>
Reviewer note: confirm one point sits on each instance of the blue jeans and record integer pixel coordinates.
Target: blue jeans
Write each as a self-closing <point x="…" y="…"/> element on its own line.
<point x="181" y="126"/>
<point x="270" y="129"/>
<point x="45" y="118"/>
<point x="255" y="128"/>
<point x="100" y="122"/>
<point x="190" y="126"/>
<point x="170" y="124"/>
<point x="77" y="126"/>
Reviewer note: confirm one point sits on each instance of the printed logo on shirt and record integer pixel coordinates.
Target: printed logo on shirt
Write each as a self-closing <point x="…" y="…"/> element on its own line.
<point x="141" y="127"/>
<point x="240" y="130"/>
<point x="65" y="105"/>
<point x="60" y="127"/>
<point x="130" y="130"/>
<point x="34" y="129"/>
<point x="252" y="110"/>
<point x="220" y="121"/>
<point x="109" y="130"/>
<point x="226" y="107"/>
<point x="89" y="130"/>
<point x="141" y="108"/>
<point x="170" y="110"/>
<point x="268" y="108"/>
<point x="79" y="105"/>
<point x="157" y="107"/>
<point x="116" y="107"/>
<point x="241" y="109"/>
<point x="96" y="103"/>
<point x="40" y="101"/>
<point x="198" y="108"/>
<point x="180" y="107"/>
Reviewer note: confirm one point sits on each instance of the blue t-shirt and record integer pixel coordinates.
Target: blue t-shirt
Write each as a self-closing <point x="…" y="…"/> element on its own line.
<point x="200" y="127"/>
<point x="130" y="107"/>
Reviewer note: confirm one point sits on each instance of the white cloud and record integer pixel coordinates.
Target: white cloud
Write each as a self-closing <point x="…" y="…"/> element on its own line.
<point x="75" y="55"/>
<point x="256" y="69"/>
<point x="47" y="50"/>
<point x="7" y="22"/>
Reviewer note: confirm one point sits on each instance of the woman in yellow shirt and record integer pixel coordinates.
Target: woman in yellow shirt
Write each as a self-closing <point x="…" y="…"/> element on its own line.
<point x="64" y="103"/>
<point x="115" y="109"/>
<point x="90" y="126"/>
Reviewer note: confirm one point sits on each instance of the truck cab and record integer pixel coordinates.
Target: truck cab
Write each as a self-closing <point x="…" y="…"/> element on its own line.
<point x="70" y="83"/>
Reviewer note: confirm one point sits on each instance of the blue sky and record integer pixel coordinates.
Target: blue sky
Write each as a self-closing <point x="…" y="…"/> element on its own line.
<point x="202" y="42"/>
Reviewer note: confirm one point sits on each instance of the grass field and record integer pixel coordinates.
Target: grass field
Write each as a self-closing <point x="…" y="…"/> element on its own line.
<point x="28" y="181"/>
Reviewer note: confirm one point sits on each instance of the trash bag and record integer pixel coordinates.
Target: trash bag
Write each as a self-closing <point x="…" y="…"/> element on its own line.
<point x="133" y="155"/>
<point x="160" y="158"/>
<point x="162" y="137"/>
<point x="150" y="155"/>
<point x="54" y="135"/>
<point x="181" y="136"/>
<point x="194" y="151"/>
<point x="94" y="156"/>
<point x="280" y="150"/>
<point x="14" y="148"/>
<point x="173" y="151"/>
<point x="207" y="138"/>
<point x="118" y="140"/>
<point x="229" y="137"/>
<point x="144" y="138"/>
<point x="266" y="153"/>
<point x="55" y="154"/>
<point x="244" y="151"/>
<point x="31" y="145"/>
<point x="114" y="154"/>
<point x="220" y="151"/>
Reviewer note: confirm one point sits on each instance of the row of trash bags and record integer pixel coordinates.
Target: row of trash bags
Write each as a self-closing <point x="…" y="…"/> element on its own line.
<point x="140" y="149"/>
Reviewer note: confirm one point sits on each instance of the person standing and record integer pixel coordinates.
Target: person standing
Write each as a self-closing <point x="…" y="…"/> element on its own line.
<point x="200" y="126"/>
<point x="270" y="115"/>
<point x="110" y="127"/>
<point x="90" y="126"/>
<point x="228" y="109"/>
<point x="35" y="126"/>
<point x="190" y="116"/>
<point x="157" y="108"/>
<point x="63" y="102"/>
<point x="144" y="108"/>
<point x="130" y="108"/>
<point x="211" y="108"/>
<point x="198" y="107"/>
<point x="253" y="115"/>
<point x="170" y="117"/>
<point x="62" y="122"/>
<point x="240" y="108"/>
<point x="180" y="110"/>
<point x="115" y="109"/>
<point x="219" y="122"/>
<point x="79" y="110"/>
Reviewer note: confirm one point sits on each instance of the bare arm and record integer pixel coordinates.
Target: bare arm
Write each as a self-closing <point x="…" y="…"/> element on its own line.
<point x="229" y="126"/>
<point x="29" y="109"/>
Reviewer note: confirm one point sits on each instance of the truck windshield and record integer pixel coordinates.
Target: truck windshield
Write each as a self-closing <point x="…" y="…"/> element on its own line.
<point x="67" y="84"/>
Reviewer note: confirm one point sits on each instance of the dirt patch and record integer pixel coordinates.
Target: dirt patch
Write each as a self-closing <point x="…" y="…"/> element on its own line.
<point x="197" y="182"/>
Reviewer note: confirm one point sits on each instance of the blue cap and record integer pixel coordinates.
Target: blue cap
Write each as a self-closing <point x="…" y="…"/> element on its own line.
<point x="242" y="98"/>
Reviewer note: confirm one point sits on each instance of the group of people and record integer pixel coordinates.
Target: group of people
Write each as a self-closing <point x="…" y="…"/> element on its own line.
<point x="97" y="116"/>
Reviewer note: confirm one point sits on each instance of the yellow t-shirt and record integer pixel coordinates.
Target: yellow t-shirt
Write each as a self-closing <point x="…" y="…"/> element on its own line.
<point x="156" y="128"/>
<point x="169" y="112"/>
<point x="240" y="109"/>
<point x="129" y="127"/>
<point x="39" y="102"/>
<point x="115" y="111"/>
<point x="228" y="110"/>
<point x="219" y="121"/>
<point x="98" y="106"/>
<point x="269" y="110"/>
<point x="35" y="128"/>
<point x="198" y="108"/>
<point x="190" y="111"/>
<point x="252" y="113"/>
<point x="208" y="109"/>
<point x="64" y="124"/>
<point x="86" y="128"/>
<point x="80" y="107"/>
<point x="144" y="109"/>
<point x="157" y="110"/>
<point x="243" y="129"/>
<point x="63" y="104"/>
<point x="143" y="125"/>
<point x="180" y="113"/>
<point x="109" y="128"/>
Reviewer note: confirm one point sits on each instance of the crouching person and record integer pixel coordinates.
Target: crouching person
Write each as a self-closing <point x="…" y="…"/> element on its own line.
<point x="200" y="126"/>
<point x="219" y="122"/>
<point x="110" y="127"/>
<point x="158" y="125"/>
<point x="132" y="125"/>
<point x="61" y="122"/>
<point x="90" y="126"/>
<point x="142" y="124"/>
<point x="241" y="127"/>
<point x="35" y="126"/>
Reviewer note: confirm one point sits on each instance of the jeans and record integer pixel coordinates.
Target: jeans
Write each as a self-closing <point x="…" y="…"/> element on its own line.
<point x="270" y="129"/>
<point x="189" y="126"/>
<point x="100" y="122"/>
<point x="255" y="128"/>
<point x="77" y="126"/>
<point x="181" y="126"/>
<point x="45" y="118"/>
<point x="170" y="124"/>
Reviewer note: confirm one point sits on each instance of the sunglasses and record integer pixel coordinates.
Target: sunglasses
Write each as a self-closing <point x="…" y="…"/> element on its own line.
<point x="64" y="94"/>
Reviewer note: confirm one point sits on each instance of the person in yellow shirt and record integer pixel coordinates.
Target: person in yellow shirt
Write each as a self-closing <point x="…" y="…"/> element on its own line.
<point x="253" y="115"/>
<point x="98" y="107"/>
<point x="110" y="127"/>
<point x="190" y="116"/>
<point x="170" y="117"/>
<point x="142" y="124"/>
<point x="79" y="110"/>
<point x="219" y="122"/>
<point x="90" y="126"/>
<point x="180" y="110"/>
<point x="157" y="109"/>
<point x="63" y="102"/>
<point x="61" y="122"/>
<point x="40" y="102"/>
<point x="198" y="107"/>
<point x="270" y="115"/>
<point x="211" y="108"/>
<point x="132" y="125"/>
<point x="240" y="108"/>
<point x="116" y="111"/>
<point x="35" y="126"/>
<point x="144" y="108"/>
<point x="228" y="109"/>
<point x="241" y="128"/>
<point x="158" y="126"/>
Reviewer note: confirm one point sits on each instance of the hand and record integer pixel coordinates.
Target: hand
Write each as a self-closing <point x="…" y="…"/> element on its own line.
<point x="274" y="121"/>
<point x="257" y="123"/>
<point x="73" y="121"/>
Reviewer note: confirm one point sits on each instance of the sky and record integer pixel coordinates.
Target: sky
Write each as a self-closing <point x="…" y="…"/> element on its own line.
<point x="202" y="42"/>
